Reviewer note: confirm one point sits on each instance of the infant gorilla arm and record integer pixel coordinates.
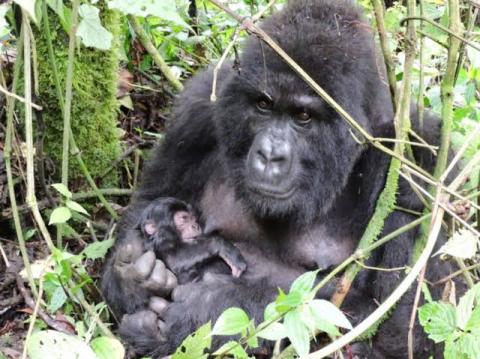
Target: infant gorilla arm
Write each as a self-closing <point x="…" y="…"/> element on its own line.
<point x="275" y="171"/>
<point x="172" y="231"/>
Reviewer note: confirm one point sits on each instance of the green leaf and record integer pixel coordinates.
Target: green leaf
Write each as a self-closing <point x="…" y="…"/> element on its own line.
<point x="231" y="321"/>
<point x="473" y="323"/>
<point x="195" y="344"/>
<point x="469" y="345"/>
<point x="4" y="27"/>
<point x="98" y="249"/>
<point x="57" y="299"/>
<point x="252" y="341"/>
<point x="297" y="332"/>
<point x="28" y="6"/>
<point x="62" y="189"/>
<point x="57" y="7"/>
<point x="91" y="30"/>
<point x="463" y="244"/>
<point x="304" y="283"/>
<point x="60" y="215"/>
<point x="452" y="351"/>
<point x="108" y="348"/>
<point x="438" y="320"/>
<point x="465" y="306"/>
<point x="275" y="331"/>
<point x="233" y="349"/>
<point x="54" y="345"/>
<point x="74" y="206"/>
<point x="285" y="302"/>
<point x="164" y="9"/>
<point x="324" y="310"/>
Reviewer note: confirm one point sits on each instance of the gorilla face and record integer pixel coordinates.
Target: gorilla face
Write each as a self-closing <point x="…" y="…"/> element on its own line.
<point x="287" y="152"/>
<point x="281" y="141"/>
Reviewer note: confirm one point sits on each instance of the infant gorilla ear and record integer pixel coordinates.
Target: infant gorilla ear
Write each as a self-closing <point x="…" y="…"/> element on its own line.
<point x="171" y="230"/>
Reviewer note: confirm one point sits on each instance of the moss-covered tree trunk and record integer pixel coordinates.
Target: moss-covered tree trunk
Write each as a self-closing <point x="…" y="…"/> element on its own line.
<point x="94" y="104"/>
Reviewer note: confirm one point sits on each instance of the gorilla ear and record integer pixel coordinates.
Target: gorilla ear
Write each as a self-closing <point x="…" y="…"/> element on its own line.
<point x="150" y="227"/>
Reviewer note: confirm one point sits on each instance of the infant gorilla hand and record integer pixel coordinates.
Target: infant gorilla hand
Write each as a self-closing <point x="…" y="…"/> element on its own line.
<point x="140" y="275"/>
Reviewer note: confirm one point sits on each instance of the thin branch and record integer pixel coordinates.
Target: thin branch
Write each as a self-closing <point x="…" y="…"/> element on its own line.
<point x="19" y="98"/>
<point x="443" y="28"/>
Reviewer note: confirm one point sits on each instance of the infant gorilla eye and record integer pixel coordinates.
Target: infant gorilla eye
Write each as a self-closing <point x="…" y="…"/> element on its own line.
<point x="264" y="103"/>
<point x="303" y="117"/>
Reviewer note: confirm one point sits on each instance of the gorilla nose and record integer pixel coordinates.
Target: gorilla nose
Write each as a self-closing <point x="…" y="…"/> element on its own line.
<point x="272" y="159"/>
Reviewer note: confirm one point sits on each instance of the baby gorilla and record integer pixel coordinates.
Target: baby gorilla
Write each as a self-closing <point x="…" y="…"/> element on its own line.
<point x="172" y="231"/>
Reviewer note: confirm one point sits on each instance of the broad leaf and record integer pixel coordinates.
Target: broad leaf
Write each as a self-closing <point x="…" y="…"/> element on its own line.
<point x="108" y="348"/>
<point x="60" y="215"/>
<point x="297" y="332"/>
<point x="285" y="302"/>
<point x="465" y="305"/>
<point x="304" y="283"/>
<point x="28" y="6"/>
<point x="275" y="331"/>
<point x="98" y="249"/>
<point x="62" y="189"/>
<point x="231" y="321"/>
<point x="164" y="9"/>
<point x="57" y="7"/>
<point x="438" y="320"/>
<point x="57" y="299"/>
<point x="463" y="244"/>
<point x="74" y="206"/>
<point x="327" y="311"/>
<point x="195" y="344"/>
<point x="56" y="345"/>
<point x="91" y="30"/>
<point x="233" y="349"/>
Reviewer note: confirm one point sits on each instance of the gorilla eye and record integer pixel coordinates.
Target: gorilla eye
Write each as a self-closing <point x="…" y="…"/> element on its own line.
<point x="264" y="104"/>
<point x="303" y="117"/>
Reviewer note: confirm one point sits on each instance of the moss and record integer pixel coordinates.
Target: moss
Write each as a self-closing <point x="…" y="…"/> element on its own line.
<point x="94" y="104"/>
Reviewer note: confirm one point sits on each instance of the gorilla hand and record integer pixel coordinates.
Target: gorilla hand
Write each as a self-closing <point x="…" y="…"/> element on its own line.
<point x="135" y="276"/>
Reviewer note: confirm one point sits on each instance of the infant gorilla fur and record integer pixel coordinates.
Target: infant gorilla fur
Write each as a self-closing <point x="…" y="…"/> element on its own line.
<point x="276" y="171"/>
<point x="171" y="229"/>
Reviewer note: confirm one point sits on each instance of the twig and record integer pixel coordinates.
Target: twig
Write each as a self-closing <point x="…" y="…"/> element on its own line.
<point x="453" y="33"/>
<point x="52" y="323"/>
<point x="152" y="50"/>
<point x="31" y="199"/>
<point x="19" y="98"/>
<point x="392" y="80"/>
<point x="213" y="96"/>
<point x="35" y="307"/>
<point x="8" y="164"/>
<point x="411" y="325"/>
<point x="4" y="256"/>
<point x="421" y="76"/>
<point x="457" y="273"/>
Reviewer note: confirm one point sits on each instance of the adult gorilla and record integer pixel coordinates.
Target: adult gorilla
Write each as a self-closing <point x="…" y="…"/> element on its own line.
<point x="275" y="170"/>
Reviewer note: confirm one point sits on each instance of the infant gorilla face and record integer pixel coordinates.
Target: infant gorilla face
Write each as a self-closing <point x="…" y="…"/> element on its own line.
<point x="187" y="225"/>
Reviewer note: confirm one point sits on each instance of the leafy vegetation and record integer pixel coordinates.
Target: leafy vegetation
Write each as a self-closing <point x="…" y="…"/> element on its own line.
<point x="114" y="122"/>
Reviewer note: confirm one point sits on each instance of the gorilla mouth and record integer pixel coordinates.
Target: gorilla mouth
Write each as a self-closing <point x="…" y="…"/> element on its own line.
<point x="266" y="191"/>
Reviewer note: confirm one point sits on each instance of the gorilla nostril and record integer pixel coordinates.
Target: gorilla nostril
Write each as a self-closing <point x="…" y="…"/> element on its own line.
<point x="262" y="156"/>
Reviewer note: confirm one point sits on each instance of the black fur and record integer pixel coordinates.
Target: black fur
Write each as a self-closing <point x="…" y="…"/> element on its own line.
<point x="204" y="161"/>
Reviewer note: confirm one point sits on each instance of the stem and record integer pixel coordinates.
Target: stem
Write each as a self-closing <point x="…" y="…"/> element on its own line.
<point x="392" y="80"/>
<point x="31" y="200"/>
<point x="152" y="50"/>
<point x="67" y="114"/>
<point x="7" y="153"/>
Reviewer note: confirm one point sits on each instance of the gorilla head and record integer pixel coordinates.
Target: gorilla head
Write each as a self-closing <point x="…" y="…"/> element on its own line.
<point x="282" y="141"/>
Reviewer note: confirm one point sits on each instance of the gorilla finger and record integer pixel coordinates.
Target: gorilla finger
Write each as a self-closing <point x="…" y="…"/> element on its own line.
<point x="162" y="327"/>
<point x="145" y="264"/>
<point x="171" y="281"/>
<point x="158" y="305"/>
<point x="124" y="255"/>
<point x="142" y="320"/>
<point x="158" y="278"/>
